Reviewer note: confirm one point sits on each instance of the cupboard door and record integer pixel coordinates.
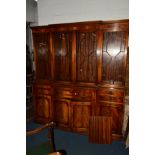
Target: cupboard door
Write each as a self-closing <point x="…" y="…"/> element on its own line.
<point x="117" y="119"/>
<point x="81" y="111"/>
<point x="86" y="56"/>
<point x="116" y="112"/>
<point x="42" y="55"/>
<point x="43" y="108"/>
<point x="62" y="46"/>
<point x="62" y="113"/>
<point x="114" y="57"/>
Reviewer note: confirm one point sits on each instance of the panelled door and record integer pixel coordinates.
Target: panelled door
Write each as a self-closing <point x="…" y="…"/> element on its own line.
<point x="62" y="113"/>
<point x="42" y="55"/>
<point x="62" y="48"/>
<point x="80" y="112"/>
<point x="86" y="59"/>
<point x="114" y="57"/>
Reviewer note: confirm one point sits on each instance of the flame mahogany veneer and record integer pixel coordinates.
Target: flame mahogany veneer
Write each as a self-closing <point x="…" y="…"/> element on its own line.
<point x="80" y="77"/>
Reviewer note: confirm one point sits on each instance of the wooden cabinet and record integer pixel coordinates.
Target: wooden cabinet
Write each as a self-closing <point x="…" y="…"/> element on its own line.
<point x="80" y="76"/>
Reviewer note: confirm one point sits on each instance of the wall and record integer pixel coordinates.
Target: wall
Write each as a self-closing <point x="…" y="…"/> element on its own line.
<point x="31" y="20"/>
<point x="31" y="11"/>
<point x="63" y="11"/>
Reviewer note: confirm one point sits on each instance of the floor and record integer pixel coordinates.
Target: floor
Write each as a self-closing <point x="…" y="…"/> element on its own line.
<point x="71" y="143"/>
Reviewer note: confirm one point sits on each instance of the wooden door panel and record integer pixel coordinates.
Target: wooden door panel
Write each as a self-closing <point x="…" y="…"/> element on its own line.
<point x="116" y="112"/>
<point x="86" y="56"/>
<point x="62" y="46"/>
<point x="81" y="111"/>
<point x="114" y="57"/>
<point x="117" y="119"/>
<point x="62" y="112"/>
<point x="42" y="55"/>
<point x="43" y="108"/>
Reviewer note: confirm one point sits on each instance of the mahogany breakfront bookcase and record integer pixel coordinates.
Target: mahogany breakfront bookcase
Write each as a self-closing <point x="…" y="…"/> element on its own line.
<point x="79" y="81"/>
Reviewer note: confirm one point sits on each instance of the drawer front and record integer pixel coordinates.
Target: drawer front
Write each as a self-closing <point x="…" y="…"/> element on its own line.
<point x="111" y="95"/>
<point x="83" y="94"/>
<point x="109" y="98"/>
<point x="63" y="93"/>
<point x="42" y="90"/>
<point x="109" y="91"/>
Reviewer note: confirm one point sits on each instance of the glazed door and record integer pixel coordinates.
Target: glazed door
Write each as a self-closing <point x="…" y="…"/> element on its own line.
<point x="114" y="53"/>
<point x="86" y="56"/>
<point x="42" y="56"/>
<point x="62" y="48"/>
<point x="62" y="113"/>
<point x="80" y="111"/>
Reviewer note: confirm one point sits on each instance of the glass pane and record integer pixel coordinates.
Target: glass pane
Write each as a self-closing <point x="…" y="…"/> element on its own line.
<point x="86" y="56"/>
<point x="62" y="54"/>
<point x="43" y="66"/>
<point x="113" y="55"/>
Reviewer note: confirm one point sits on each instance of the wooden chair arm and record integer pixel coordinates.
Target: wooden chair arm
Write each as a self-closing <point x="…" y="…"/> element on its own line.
<point x="39" y="129"/>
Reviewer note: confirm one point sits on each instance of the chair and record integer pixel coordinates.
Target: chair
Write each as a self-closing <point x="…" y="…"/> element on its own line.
<point x="50" y="126"/>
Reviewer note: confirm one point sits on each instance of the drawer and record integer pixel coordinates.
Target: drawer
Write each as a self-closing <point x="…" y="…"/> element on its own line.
<point x="109" y="98"/>
<point x="110" y="91"/>
<point x="63" y="93"/>
<point x="111" y="95"/>
<point x="83" y="94"/>
<point x="42" y="90"/>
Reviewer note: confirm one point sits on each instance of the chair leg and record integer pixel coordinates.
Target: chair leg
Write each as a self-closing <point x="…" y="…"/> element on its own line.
<point x="51" y="138"/>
